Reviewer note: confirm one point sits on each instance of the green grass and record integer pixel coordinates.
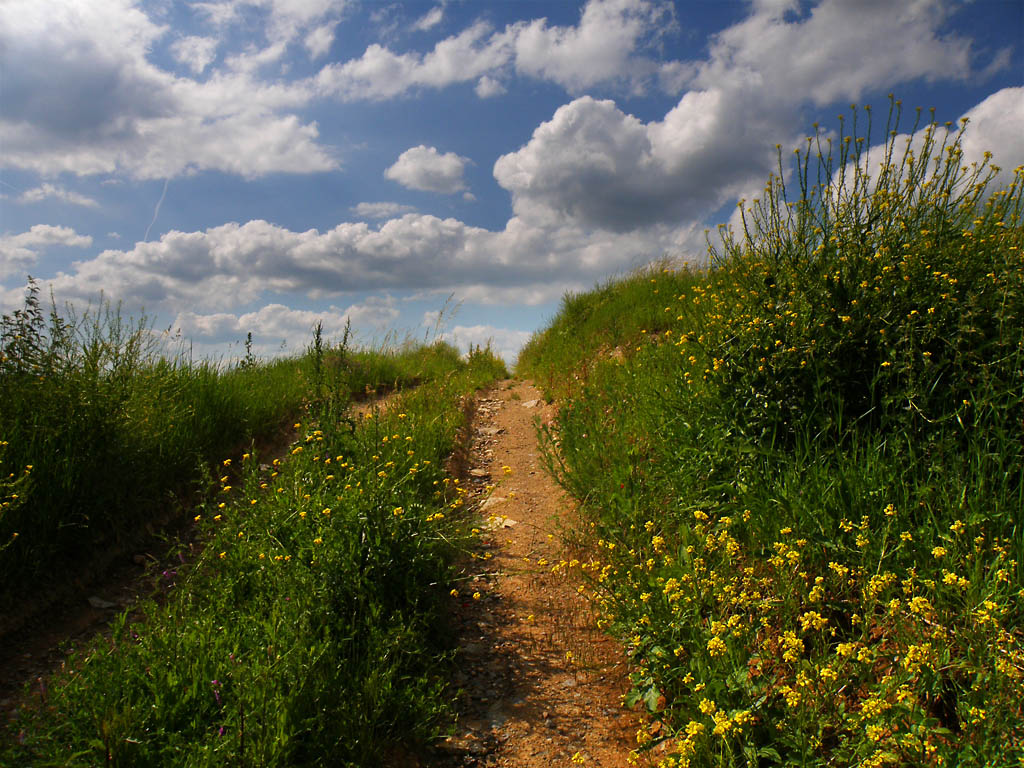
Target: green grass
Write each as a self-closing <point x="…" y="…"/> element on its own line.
<point x="106" y="432"/>
<point x="307" y="628"/>
<point x="608" y="321"/>
<point x="110" y="429"/>
<point x="806" y="491"/>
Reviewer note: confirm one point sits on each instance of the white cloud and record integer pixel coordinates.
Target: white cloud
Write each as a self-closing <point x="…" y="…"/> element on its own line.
<point x="430" y="19"/>
<point x="596" y="166"/>
<point x="319" y="40"/>
<point x="233" y="264"/>
<point x="46" y="190"/>
<point x="275" y="323"/>
<point x="381" y="74"/>
<point x="488" y="87"/>
<point x="838" y="51"/>
<point x="285" y="20"/>
<point x="81" y="96"/>
<point x="382" y="210"/>
<point x="602" y="48"/>
<point x="19" y="252"/>
<point x="426" y="169"/>
<point x="995" y="125"/>
<point x="197" y="53"/>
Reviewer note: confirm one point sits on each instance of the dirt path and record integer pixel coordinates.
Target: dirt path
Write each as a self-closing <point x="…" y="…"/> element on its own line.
<point x="542" y="684"/>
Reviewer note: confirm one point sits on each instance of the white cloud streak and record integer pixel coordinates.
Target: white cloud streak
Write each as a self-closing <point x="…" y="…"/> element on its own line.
<point x="56" y="191"/>
<point x="430" y="19"/>
<point x="382" y="210"/>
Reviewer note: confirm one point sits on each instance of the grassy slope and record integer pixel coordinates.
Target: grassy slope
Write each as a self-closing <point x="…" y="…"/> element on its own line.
<point x="99" y="430"/>
<point x="308" y="631"/>
<point x="807" y="487"/>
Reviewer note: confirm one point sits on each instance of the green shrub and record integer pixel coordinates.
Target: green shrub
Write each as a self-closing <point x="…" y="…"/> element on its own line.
<point x="891" y="291"/>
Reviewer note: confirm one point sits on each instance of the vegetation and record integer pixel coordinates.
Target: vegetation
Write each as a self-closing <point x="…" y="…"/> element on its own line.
<point x="305" y="625"/>
<point x="805" y="480"/>
<point x="102" y="430"/>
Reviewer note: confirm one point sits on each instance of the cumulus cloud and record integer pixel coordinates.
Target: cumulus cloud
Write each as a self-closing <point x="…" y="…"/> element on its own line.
<point x="488" y="87"/>
<point x="381" y="210"/>
<point x="867" y="43"/>
<point x="276" y="323"/>
<point x="602" y="48"/>
<point x="382" y="74"/>
<point x="994" y="125"/>
<point x="594" y="165"/>
<point x="197" y="53"/>
<point x="236" y="264"/>
<point x="81" y="96"/>
<point x="58" y="192"/>
<point x="605" y="47"/>
<point x="426" y="169"/>
<point x="19" y="252"/>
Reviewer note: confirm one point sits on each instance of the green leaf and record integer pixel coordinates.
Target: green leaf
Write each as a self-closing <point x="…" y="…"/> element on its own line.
<point x="651" y="697"/>
<point x="632" y="698"/>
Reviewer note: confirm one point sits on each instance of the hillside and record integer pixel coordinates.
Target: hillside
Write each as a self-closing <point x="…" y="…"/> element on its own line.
<point x="804" y="471"/>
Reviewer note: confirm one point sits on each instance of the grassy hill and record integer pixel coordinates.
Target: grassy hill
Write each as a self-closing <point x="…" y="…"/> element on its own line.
<point x="804" y="467"/>
<point x="305" y="624"/>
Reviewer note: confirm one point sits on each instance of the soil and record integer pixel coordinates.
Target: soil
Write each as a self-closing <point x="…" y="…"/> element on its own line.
<point x="540" y="683"/>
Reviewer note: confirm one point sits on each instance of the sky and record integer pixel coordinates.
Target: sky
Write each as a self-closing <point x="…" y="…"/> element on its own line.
<point x="432" y="169"/>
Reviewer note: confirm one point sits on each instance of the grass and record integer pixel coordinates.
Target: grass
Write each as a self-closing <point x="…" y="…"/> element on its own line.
<point x="806" y="488"/>
<point x="306" y="626"/>
<point x="104" y="430"/>
<point x="106" y="433"/>
<point x="608" y="321"/>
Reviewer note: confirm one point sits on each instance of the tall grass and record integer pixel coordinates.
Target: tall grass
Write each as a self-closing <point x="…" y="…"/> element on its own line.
<point x="107" y="431"/>
<point x="110" y="428"/>
<point x="306" y="626"/>
<point x="807" y="491"/>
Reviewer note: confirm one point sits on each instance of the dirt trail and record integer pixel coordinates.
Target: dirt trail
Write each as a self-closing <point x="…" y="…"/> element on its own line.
<point x="541" y="683"/>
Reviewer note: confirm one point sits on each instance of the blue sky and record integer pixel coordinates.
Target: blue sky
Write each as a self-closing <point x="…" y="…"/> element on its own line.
<point x="257" y="165"/>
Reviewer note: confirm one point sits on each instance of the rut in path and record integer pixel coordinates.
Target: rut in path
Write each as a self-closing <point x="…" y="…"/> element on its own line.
<point x="541" y="684"/>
